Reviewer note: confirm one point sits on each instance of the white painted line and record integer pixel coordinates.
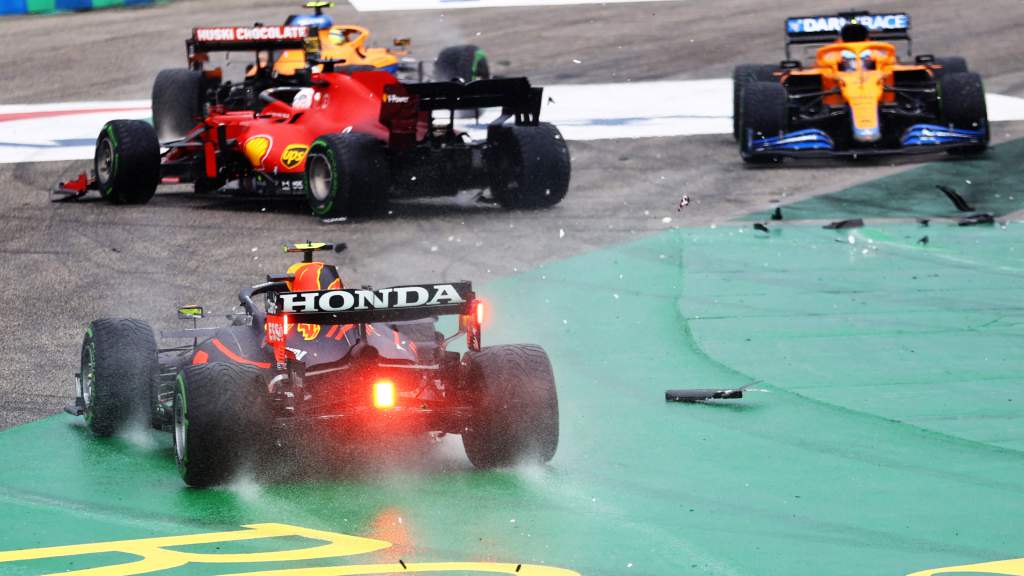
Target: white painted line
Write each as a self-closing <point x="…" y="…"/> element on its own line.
<point x="64" y="106"/>
<point x="1004" y="108"/>
<point x="70" y="136"/>
<point x="389" y="5"/>
<point x="581" y="111"/>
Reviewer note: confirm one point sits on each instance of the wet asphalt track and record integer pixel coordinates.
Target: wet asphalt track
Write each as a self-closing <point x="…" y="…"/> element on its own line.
<point x="65" y="264"/>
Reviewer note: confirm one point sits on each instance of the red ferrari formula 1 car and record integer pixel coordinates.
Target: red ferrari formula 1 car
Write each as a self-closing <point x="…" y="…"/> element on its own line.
<point x="348" y="142"/>
<point x="317" y="357"/>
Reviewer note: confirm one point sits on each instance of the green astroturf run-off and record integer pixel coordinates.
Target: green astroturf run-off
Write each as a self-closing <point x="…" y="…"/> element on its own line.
<point x="882" y="433"/>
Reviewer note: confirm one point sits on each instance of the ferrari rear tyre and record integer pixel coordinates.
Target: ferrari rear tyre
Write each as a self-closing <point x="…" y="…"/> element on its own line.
<point x="177" y="102"/>
<point x="950" y="65"/>
<point x="963" y="106"/>
<point x="118" y="370"/>
<point x="127" y="162"/>
<point x="528" y="166"/>
<point x="346" y="174"/>
<point x="465" y="63"/>
<point x="763" y="112"/>
<point x="516" y="413"/>
<point x="741" y="76"/>
<point x="221" y="421"/>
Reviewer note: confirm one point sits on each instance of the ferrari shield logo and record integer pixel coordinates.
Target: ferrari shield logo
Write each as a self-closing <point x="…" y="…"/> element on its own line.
<point x="293" y="155"/>
<point x="308" y="331"/>
<point x="256" y="149"/>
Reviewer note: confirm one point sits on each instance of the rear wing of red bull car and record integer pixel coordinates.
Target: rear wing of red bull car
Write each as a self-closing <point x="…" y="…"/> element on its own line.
<point x="367" y="306"/>
<point x="890" y="26"/>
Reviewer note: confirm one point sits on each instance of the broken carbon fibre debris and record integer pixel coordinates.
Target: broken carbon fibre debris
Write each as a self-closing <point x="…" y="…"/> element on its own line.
<point x="761" y="226"/>
<point x="955" y="198"/>
<point x="692" y="395"/>
<point x="844" y="224"/>
<point x="923" y="240"/>
<point x="777" y="214"/>
<point x="701" y="395"/>
<point x="975" y="219"/>
<point x="923" y="222"/>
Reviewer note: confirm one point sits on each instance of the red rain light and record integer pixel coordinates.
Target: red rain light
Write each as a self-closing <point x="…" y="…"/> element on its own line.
<point x="384" y="394"/>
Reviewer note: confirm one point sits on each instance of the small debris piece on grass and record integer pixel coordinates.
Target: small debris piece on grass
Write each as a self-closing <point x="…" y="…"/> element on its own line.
<point x="975" y="219"/>
<point x="701" y="394"/>
<point x="955" y="198"/>
<point x="844" y="224"/>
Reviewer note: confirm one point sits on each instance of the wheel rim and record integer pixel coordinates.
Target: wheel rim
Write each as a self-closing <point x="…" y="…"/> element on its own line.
<point x="321" y="181"/>
<point x="88" y="376"/>
<point x="105" y="161"/>
<point x="180" y="438"/>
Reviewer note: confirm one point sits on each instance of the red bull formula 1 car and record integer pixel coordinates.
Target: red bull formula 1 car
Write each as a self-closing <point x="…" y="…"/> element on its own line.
<point x="348" y="142"/>
<point x="858" y="98"/>
<point x="319" y="356"/>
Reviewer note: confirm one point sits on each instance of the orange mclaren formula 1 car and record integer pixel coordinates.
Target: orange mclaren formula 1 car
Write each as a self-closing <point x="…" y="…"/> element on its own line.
<point x="858" y="98"/>
<point x="305" y="353"/>
<point x="179" y="94"/>
<point x="348" y="142"/>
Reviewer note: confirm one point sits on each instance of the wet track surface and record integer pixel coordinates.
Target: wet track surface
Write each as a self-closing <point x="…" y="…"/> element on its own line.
<point x="705" y="301"/>
<point x="142" y="261"/>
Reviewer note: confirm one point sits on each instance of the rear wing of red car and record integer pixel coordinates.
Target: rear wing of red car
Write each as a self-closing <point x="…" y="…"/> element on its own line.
<point x="248" y="39"/>
<point x="516" y="96"/>
<point x="404" y="103"/>
<point x="890" y="26"/>
<point x="367" y="306"/>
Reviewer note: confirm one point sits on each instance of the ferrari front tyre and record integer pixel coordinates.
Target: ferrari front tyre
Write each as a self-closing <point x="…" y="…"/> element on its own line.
<point x="515" y="416"/>
<point x="127" y="162"/>
<point x="528" y="166"/>
<point x="177" y="102"/>
<point x="950" y="65"/>
<point x="465" y="63"/>
<point x="763" y="112"/>
<point x="963" y="107"/>
<point x="741" y="76"/>
<point x="221" y="421"/>
<point x="346" y="174"/>
<point x="119" y="367"/>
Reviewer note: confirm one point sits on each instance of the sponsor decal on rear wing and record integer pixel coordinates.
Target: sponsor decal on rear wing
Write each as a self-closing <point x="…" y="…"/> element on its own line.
<point x="825" y="29"/>
<point x="359" y="306"/>
<point x="832" y="25"/>
<point x="227" y="38"/>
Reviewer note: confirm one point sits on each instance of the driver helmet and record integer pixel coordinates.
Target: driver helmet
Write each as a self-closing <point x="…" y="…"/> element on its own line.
<point x="321" y="21"/>
<point x="313" y="276"/>
<point x="303" y="99"/>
